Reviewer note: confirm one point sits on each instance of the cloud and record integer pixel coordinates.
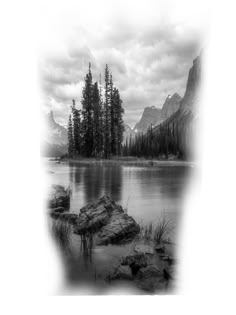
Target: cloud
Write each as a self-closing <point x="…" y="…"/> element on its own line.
<point x="147" y="62"/>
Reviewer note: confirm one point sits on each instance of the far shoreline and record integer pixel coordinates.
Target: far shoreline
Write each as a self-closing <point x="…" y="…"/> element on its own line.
<point x="132" y="161"/>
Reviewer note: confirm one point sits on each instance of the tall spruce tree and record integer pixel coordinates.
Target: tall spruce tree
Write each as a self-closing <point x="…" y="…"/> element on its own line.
<point x="97" y="122"/>
<point x="113" y="121"/>
<point x="87" y="112"/>
<point x="107" y="120"/>
<point x="76" y="129"/>
<point x="118" y="121"/>
<point x="70" y="137"/>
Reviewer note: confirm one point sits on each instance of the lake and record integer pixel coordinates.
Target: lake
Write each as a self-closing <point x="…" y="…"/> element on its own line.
<point x="146" y="192"/>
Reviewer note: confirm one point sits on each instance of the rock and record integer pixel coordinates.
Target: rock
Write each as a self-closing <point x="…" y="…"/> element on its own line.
<point x="107" y="221"/>
<point x="145" y="249"/>
<point x="150" y="279"/>
<point x="160" y="249"/>
<point x="59" y="197"/>
<point x="168" y="273"/>
<point x="135" y="262"/>
<point x="149" y="271"/>
<point x="122" y="272"/>
<point x="164" y="257"/>
<point x="171" y="260"/>
<point x="58" y="210"/>
<point x="120" y="228"/>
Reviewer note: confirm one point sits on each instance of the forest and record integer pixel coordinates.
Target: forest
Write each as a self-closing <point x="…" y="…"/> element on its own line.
<point x="168" y="139"/>
<point x="97" y="129"/>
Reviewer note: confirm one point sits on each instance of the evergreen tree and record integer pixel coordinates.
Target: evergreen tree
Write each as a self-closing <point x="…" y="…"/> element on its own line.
<point x="107" y="103"/>
<point x="97" y="122"/>
<point x="70" y="138"/>
<point x="112" y="118"/>
<point x="76" y="129"/>
<point x="118" y="122"/>
<point x="87" y="112"/>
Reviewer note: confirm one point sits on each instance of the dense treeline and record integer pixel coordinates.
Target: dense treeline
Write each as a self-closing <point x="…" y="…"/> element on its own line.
<point x="169" y="139"/>
<point x="97" y="129"/>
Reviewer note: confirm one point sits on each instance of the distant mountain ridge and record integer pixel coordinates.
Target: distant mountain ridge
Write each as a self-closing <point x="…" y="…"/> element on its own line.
<point x="151" y="115"/>
<point x="154" y="116"/>
<point x="171" y="105"/>
<point x="54" y="137"/>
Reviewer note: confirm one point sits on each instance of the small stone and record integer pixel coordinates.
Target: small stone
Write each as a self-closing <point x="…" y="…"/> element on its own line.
<point x="145" y="249"/>
<point x="59" y="210"/>
<point x="149" y="271"/>
<point x="122" y="272"/>
<point x="160" y="249"/>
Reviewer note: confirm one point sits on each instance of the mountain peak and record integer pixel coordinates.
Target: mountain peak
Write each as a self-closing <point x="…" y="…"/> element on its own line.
<point x="151" y="116"/>
<point x="193" y="84"/>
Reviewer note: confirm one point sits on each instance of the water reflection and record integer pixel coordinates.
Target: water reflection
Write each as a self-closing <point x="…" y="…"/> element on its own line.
<point x="145" y="191"/>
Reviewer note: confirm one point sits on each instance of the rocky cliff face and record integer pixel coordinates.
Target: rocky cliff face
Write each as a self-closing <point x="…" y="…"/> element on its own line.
<point x="183" y="121"/>
<point x="170" y="106"/>
<point x="154" y="116"/>
<point x="151" y="116"/>
<point x="54" y="137"/>
<point x="191" y="96"/>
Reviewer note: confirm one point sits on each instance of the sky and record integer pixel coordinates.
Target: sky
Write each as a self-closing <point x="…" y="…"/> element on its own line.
<point x="149" y="50"/>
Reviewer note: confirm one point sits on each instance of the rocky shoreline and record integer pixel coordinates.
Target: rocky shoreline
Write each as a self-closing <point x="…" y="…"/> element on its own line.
<point x="148" y="264"/>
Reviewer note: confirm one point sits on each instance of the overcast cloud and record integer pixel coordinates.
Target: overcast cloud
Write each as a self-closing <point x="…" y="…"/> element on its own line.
<point x="147" y="63"/>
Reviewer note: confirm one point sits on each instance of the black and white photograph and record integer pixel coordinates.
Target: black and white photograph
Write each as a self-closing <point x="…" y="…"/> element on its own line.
<point x="120" y="114"/>
<point x="117" y="157"/>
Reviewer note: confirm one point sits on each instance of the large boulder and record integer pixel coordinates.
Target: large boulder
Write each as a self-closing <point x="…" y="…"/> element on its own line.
<point x="107" y="221"/>
<point x="59" y="197"/>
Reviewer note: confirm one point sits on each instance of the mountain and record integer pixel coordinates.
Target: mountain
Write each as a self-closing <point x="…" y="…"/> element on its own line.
<point x="183" y="122"/>
<point x="170" y="106"/>
<point x="151" y="116"/>
<point x="128" y="131"/>
<point x="54" y="137"/>
<point x="154" y="116"/>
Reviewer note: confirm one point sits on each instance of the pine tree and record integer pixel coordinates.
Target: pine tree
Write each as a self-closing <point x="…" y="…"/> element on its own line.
<point x="87" y="112"/>
<point x="112" y="117"/>
<point x="70" y="138"/>
<point x="76" y="129"/>
<point x="97" y="121"/>
<point x="107" y="103"/>
<point x="119" y="123"/>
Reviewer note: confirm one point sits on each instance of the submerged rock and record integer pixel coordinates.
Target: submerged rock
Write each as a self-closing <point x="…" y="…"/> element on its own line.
<point x="59" y="197"/>
<point x="107" y="221"/>
<point x="122" y="272"/>
<point x="145" y="249"/>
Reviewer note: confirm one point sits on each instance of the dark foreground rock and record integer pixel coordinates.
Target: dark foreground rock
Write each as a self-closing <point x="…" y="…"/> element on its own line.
<point x="149" y="272"/>
<point x="107" y="221"/>
<point x="59" y="197"/>
<point x="151" y="278"/>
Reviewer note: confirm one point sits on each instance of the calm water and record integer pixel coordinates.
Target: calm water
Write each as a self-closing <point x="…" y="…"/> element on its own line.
<point x="145" y="191"/>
